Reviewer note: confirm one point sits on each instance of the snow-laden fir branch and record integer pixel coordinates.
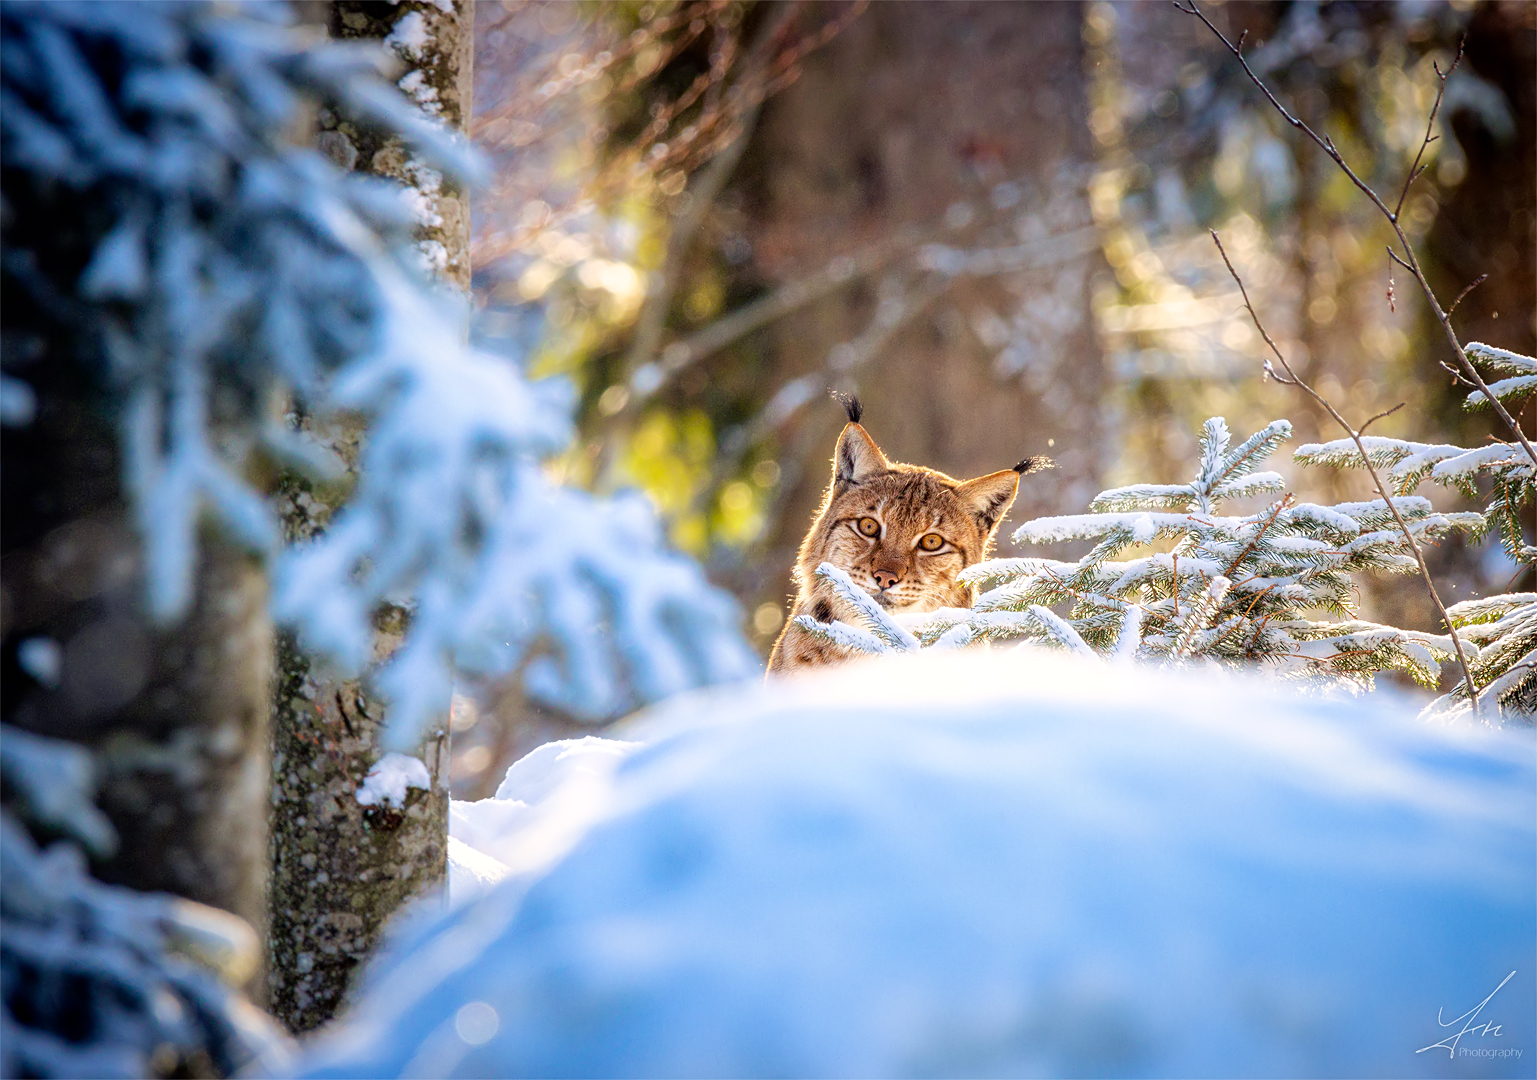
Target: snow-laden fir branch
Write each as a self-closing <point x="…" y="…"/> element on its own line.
<point x="225" y="267"/>
<point x="844" y="636"/>
<point x="1227" y="587"/>
<point x="1060" y="631"/>
<point x="101" y="980"/>
<point x="1520" y="373"/>
<point x="875" y="617"/>
<point x="1503" y="628"/>
<point x="1130" y="637"/>
<point x="1408" y="464"/>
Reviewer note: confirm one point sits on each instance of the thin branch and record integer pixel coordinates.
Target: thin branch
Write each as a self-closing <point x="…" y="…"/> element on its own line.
<point x="1323" y="142"/>
<point x="1355" y="437"/>
<point x="1381" y="415"/>
<point x="838" y="273"/>
<point x="1174" y="558"/>
<point x="1430" y="125"/>
<point x="1475" y="283"/>
<point x="1411" y="262"/>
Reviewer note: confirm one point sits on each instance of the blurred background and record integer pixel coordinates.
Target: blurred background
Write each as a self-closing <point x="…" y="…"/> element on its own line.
<point x="990" y="221"/>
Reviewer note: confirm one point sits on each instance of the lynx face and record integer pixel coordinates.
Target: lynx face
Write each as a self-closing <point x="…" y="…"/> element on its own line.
<point x="901" y="532"/>
<point x="903" y="536"/>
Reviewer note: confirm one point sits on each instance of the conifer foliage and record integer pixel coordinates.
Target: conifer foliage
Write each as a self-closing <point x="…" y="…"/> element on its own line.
<point x="163" y="232"/>
<point x="99" y="980"/>
<point x="1200" y="583"/>
<point x="1503" y="628"/>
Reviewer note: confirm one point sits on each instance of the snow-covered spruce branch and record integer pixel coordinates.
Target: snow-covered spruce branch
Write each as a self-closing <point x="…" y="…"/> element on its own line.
<point x="1282" y="372"/>
<point x="1503" y="628"/>
<point x="950" y="628"/>
<point x="231" y="268"/>
<point x="100" y="980"/>
<point x="1518" y="375"/>
<point x="882" y="633"/>
<point x="1408" y="464"/>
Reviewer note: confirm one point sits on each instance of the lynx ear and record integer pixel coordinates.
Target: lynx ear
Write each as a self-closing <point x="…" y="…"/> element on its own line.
<point x="989" y="497"/>
<point x="858" y="458"/>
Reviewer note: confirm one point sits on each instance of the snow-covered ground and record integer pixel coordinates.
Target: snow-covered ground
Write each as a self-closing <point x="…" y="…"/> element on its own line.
<point x="549" y="798"/>
<point x="973" y="863"/>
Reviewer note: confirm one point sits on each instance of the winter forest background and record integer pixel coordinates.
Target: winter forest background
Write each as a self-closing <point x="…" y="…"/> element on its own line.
<point x="397" y="395"/>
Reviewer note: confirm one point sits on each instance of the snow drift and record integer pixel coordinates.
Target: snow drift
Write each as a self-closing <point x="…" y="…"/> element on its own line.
<point x="1060" y="868"/>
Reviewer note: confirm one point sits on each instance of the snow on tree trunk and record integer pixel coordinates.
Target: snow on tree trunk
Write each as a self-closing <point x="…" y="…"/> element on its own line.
<point x="342" y="864"/>
<point x="432" y="40"/>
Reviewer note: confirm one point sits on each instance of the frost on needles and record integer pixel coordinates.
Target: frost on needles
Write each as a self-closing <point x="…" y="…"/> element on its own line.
<point x="1503" y="628"/>
<point x="214" y="270"/>
<point x="1198" y="583"/>
<point x="101" y="980"/>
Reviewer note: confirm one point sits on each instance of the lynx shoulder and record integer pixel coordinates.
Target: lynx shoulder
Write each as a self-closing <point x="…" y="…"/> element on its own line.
<point x="902" y="532"/>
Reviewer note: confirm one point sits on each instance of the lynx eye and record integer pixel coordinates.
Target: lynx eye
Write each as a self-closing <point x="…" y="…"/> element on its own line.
<point x="868" y="526"/>
<point x="931" y="542"/>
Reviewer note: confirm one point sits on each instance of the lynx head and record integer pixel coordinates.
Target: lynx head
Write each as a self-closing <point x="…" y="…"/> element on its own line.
<point x="903" y="532"/>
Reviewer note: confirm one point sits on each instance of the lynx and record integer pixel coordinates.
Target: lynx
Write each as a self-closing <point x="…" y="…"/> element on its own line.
<point x="902" y="532"/>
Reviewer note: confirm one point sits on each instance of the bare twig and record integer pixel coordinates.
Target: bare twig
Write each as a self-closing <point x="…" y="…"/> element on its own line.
<point x="1174" y="557"/>
<point x="1291" y="379"/>
<point x="838" y="273"/>
<point x="1475" y="283"/>
<point x="1430" y="126"/>
<point x="1408" y="260"/>
<point x="1381" y="415"/>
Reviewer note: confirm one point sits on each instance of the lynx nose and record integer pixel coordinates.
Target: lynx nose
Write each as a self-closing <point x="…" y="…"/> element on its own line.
<point x="885" y="579"/>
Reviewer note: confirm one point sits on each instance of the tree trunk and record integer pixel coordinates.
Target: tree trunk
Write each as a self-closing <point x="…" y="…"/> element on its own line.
<point x="177" y="715"/>
<point x="340" y="869"/>
<point x="966" y="123"/>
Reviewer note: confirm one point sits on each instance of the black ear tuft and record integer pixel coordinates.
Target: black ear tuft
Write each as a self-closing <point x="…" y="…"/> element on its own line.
<point x="850" y="405"/>
<point x="1034" y="464"/>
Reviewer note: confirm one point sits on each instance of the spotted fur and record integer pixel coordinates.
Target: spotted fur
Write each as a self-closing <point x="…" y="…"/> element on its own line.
<point x="907" y="503"/>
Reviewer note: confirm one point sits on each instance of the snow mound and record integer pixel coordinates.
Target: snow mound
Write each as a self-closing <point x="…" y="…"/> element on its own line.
<point x="1000" y="864"/>
<point x="544" y="803"/>
<point x="534" y="776"/>
<point x="470" y="872"/>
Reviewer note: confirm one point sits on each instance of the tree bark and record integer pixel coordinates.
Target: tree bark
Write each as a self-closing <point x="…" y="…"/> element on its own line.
<point x="341" y="870"/>
<point x="911" y="119"/>
<point x="177" y="716"/>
